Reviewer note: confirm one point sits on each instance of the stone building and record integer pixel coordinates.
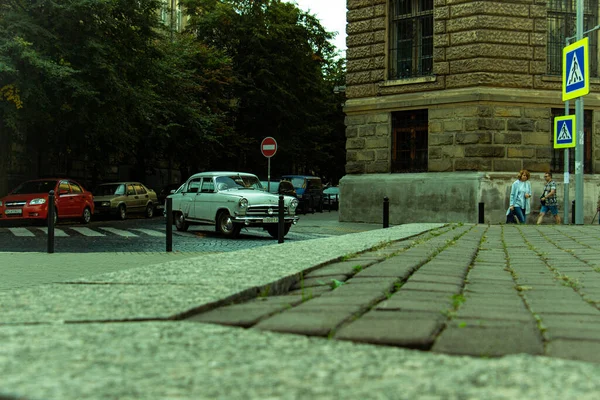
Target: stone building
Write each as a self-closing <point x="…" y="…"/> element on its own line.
<point x="449" y="99"/>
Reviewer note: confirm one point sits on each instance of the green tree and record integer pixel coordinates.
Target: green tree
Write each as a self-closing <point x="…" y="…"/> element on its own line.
<point x="282" y="60"/>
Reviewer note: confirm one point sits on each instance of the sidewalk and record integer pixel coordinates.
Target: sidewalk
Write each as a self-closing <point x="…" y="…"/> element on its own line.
<point x="500" y="312"/>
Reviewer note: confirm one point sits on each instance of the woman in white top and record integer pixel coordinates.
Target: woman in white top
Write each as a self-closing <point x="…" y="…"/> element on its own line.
<point x="520" y="195"/>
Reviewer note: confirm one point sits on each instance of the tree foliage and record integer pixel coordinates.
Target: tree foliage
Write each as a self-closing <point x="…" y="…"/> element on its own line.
<point x="103" y="82"/>
<point x="286" y="69"/>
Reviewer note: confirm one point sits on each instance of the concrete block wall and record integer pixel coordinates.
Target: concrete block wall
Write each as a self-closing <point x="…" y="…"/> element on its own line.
<point x="448" y="197"/>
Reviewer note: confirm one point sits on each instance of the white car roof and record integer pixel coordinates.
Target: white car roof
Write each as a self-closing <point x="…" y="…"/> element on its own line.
<point x="220" y="173"/>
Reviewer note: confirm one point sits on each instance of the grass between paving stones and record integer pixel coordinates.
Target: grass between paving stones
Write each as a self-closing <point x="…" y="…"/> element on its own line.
<point x="521" y="288"/>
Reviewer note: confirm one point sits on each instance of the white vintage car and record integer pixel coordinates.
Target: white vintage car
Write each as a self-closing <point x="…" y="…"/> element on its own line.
<point x="229" y="201"/>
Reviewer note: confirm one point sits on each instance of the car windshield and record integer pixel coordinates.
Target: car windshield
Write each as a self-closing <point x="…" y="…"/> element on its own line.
<point x="332" y="190"/>
<point x="238" y="182"/>
<point x="109" y="190"/>
<point x="35" y="187"/>
<point x="297" y="182"/>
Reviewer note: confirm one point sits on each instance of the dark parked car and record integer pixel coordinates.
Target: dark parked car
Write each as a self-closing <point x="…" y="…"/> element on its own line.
<point x="309" y="191"/>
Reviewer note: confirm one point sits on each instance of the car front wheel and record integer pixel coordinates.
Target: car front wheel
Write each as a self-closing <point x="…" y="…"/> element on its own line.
<point x="180" y="222"/>
<point x="226" y="226"/>
<point x="86" y="217"/>
<point x="149" y="211"/>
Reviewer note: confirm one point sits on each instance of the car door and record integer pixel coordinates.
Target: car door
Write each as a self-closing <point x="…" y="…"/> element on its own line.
<point x="205" y="201"/>
<point x="65" y="203"/>
<point x="78" y="198"/>
<point x="131" y="198"/>
<point x="188" y="196"/>
<point x="142" y="196"/>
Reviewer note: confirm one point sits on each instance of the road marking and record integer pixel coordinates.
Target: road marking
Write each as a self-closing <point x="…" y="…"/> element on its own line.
<point x="150" y="232"/>
<point x="118" y="232"/>
<point x="57" y="232"/>
<point x="87" y="231"/>
<point x="20" y="232"/>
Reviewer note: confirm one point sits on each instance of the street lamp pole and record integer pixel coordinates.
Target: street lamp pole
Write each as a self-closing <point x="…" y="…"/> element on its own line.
<point x="580" y="139"/>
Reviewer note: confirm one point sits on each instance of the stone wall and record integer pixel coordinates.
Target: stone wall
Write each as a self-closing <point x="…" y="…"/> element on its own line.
<point x="448" y="197"/>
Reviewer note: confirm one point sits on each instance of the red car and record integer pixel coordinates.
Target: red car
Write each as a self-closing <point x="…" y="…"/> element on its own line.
<point x="29" y="201"/>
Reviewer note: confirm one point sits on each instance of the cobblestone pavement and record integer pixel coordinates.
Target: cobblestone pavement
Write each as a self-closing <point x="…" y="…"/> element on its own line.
<point x="470" y="290"/>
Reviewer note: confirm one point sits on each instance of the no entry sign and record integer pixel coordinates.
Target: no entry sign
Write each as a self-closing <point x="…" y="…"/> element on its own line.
<point x="268" y="147"/>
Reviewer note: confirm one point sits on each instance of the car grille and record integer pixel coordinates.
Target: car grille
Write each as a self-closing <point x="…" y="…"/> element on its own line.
<point x="264" y="210"/>
<point x="15" y="203"/>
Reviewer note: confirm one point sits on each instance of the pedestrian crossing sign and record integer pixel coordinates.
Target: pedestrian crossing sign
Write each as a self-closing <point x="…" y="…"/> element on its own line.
<point x="576" y="72"/>
<point x="564" y="132"/>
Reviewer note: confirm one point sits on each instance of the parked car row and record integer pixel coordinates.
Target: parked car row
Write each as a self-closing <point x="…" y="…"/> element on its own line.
<point x="30" y="200"/>
<point x="309" y="191"/>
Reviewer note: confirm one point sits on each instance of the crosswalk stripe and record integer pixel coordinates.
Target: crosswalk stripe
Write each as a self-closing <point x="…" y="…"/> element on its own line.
<point x="21" y="232"/>
<point x="87" y="231"/>
<point x="118" y="232"/>
<point x="57" y="232"/>
<point x="150" y="232"/>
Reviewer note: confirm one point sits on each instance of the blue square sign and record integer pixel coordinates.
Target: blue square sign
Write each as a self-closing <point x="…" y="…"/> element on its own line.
<point x="564" y="132"/>
<point x="576" y="74"/>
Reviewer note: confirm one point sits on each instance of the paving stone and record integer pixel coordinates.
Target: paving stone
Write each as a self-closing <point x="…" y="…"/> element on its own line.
<point x="583" y="350"/>
<point x="571" y="320"/>
<point x="488" y="312"/>
<point x="415" y="305"/>
<point x="436" y="278"/>
<point x="557" y="307"/>
<point x="490" y="288"/>
<point x="433" y="287"/>
<point x="388" y="270"/>
<point x="490" y="341"/>
<point x="394" y="328"/>
<point x="573" y="333"/>
<point x="310" y="291"/>
<point x="330" y="301"/>
<point x="318" y="281"/>
<point x="243" y="315"/>
<point x="340" y="268"/>
<point x="312" y="323"/>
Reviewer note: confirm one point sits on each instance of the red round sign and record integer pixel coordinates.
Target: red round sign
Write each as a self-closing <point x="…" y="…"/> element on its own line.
<point x="268" y="147"/>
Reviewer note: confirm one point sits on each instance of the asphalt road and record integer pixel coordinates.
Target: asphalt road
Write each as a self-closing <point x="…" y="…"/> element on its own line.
<point x="149" y="235"/>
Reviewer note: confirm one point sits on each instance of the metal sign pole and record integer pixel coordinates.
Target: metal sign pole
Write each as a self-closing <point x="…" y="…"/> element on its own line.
<point x="566" y="174"/>
<point x="269" y="174"/>
<point x="580" y="139"/>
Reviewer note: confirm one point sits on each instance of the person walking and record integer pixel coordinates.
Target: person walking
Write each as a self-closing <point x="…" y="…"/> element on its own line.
<point x="548" y="200"/>
<point x="520" y="195"/>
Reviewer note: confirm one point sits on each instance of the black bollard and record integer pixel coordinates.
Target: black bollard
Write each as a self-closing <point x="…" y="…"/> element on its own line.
<point x="50" y="218"/>
<point x="573" y="212"/>
<point x="169" y="205"/>
<point x="386" y="212"/>
<point x="280" y="220"/>
<point x="481" y="213"/>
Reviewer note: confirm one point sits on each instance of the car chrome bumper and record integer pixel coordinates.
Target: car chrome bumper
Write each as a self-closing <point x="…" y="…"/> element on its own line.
<point x="262" y="220"/>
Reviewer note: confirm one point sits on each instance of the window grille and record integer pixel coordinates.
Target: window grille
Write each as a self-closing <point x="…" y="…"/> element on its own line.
<point x="558" y="155"/>
<point x="411" y="41"/>
<point x="409" y="141"/>
<point x="562" y="16"/>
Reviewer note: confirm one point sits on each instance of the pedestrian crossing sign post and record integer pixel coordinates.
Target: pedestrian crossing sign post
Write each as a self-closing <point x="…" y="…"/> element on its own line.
<point x="576" y="74"/>
<point x="564" y="132"/>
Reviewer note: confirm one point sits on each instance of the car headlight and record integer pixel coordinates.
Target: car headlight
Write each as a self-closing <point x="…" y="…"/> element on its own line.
<point x="293" y="204"/>
<point x="37" y="201"/>
<point x="243" y="203"/>
<point x="105" y="204"/>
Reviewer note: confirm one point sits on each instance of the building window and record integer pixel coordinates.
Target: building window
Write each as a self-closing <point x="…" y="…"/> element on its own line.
<point x="558" y="155"/>
<point x="562" y="16"/>
<point x="411" y="41"/>
<point x="409" y="141"/>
